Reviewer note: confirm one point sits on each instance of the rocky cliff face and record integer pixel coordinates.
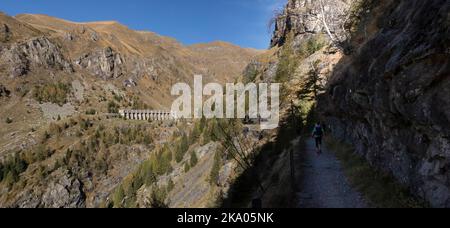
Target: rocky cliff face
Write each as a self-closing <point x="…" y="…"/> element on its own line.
<point x="37" y="52"/>
<point x="308" y="17"/>
<point x="390" y="96"/>
<point x="64" y="191"/>
<point x="392" y="100"/>
<point x="105" y="63"/>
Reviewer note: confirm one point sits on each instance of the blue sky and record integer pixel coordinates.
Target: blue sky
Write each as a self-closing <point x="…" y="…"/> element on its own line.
<point x="242" y="22"/>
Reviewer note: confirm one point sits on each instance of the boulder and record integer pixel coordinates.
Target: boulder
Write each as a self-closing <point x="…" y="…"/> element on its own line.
<point x="64" y="192"/>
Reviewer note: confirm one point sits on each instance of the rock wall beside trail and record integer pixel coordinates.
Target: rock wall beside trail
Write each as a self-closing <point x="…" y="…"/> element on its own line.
<point x="392" y="98"/>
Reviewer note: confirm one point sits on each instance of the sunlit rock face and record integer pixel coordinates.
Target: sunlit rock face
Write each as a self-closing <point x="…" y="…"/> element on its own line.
<point x="105" y="63"/>
<point x="308" y="17"/>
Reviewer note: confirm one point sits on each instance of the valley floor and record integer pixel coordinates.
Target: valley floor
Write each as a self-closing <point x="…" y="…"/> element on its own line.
<point x="322" y="182"/>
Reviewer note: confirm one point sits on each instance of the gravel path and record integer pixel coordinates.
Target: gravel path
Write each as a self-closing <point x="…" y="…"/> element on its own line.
<point x="323" y="183"/>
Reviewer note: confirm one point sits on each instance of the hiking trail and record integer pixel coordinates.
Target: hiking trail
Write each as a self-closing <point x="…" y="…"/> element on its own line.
<point x="321" y="182"/>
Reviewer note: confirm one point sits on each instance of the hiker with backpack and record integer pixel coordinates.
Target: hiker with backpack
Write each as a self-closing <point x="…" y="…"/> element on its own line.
<point x="318" y="136"/>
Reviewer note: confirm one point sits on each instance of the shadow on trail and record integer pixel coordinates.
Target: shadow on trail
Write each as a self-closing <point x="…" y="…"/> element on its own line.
<point x="313" y="181"/>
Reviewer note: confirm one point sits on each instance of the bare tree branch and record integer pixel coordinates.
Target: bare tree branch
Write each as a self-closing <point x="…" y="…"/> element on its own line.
<point x="324" y="20"/>
<point x="241" y="151"/>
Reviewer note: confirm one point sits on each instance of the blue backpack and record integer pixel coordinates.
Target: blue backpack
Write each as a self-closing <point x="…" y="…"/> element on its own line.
<point x="318" y="131"/>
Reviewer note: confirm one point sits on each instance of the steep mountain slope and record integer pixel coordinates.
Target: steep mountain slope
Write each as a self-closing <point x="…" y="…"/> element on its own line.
<point x="214" y="58"/>
<point x="22" y="31"/>
<point x="109" y="50"/>
<point x="141" y="66"/>
<point x="59" y="83"/>
<point x="150" y="46"/>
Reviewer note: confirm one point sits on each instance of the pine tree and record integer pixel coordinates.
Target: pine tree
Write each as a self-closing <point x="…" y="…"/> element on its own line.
<point x="118" y="197"/>
<point x="216" y="168"/>
<point x="194" y="159"/>
<point x="187" y="167"/>
<point x="183" y="147"/>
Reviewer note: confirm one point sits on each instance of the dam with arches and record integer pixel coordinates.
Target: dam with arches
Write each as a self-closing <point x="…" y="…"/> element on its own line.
<point x="147" y="115"/>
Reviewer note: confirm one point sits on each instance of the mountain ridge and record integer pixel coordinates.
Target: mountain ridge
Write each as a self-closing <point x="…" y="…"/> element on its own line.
<point x="28" y="17"/>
